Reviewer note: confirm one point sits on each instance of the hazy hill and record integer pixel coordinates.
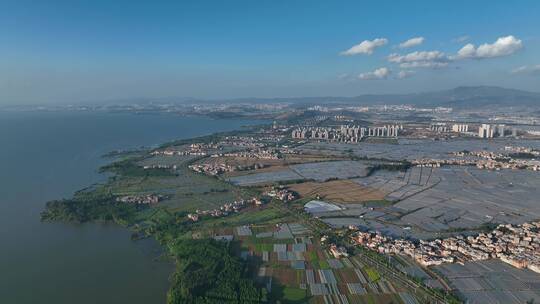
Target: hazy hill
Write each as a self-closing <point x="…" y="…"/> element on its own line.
<point x="457" y="97"/>
<point x="470" y="96"/>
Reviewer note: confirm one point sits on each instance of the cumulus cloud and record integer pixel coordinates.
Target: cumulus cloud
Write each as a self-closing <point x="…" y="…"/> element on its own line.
<point x="468" y="51"/>
<point x="461" y="39"/>
<point x="411" y="42"/>
<point x="380" y="73"/>
<point x="404" y="74"/>
<point x="366" y="47"/>
<point x="533" y="69"/>
<point x="423" y="64"/>
<point x="504" y="46"/>
<point x="422" y="59"/>
<point x="416" y="56"/>
<point x="347" y="77"/>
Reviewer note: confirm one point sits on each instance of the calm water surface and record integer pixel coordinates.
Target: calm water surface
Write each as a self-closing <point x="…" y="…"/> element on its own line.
<point x="46" y="156"/>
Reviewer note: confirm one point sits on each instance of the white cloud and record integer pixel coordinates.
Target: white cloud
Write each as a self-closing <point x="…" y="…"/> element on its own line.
<point x="422" y="59"/>
<point x="404" y="74"/>
<point x="533" y="69"/>
<point x="411" y="42"/>
<point x="380" y="73"/>
<point x="502" y="47"/>
<point x="520" y="70"/>
<point x="365" y="47"/>
<point x="461" y="39"/>
<point x="423" y="64"/>
<point x="416" y="56"/>
<point x="468" y="51"/>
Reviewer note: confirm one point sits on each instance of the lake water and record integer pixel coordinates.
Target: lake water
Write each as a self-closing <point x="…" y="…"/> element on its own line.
<point x="49" y="155"/>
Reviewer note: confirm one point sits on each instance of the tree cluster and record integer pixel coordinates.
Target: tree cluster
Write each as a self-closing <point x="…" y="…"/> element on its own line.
<point x="207" y="272"/>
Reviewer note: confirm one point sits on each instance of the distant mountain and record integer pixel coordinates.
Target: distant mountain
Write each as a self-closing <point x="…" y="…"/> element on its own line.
<point x="477" y="96"/>
<point x="480" y="96"/>
<point x="460" y="97"/>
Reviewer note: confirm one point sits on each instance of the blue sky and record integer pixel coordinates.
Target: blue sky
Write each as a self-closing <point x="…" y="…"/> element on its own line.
<point x="68" y="51"/>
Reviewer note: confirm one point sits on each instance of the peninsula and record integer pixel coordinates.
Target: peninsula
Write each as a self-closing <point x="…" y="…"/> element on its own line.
<point x="319" y="208"/>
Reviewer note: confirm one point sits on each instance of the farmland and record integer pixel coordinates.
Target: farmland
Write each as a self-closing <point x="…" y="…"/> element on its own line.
<point x="318" y="171"/>
<point x="338" y="191"/>
<point x="493" y="280"/>
<point x="299" y="269"/>
<point x="295" y="211"/>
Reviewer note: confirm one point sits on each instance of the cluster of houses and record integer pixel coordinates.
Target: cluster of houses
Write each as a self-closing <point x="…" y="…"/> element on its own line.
<point x="242" y="141"/>
<point x="283" y="194"/>
<point x="215" y="169"/>
<point x="436" y="163"/>
<point x="211" y="168"/>
<point x="196" y="149"/>
<point x="527" y="150"/>
<point x="142" y="199"/>
<point x="148" y="167"/>
<point x="335" y="250"/>
<point x="258" y="153"/>
<point x="204" y="146"/>
<point x="516" y="245"/>
<point x="524" y="164"/>
<point x="482" y="160"/>
<point x="225" y="209"/>
<point x="178" y="152"/>
<point x="496" y="161"/>
<point x="270" y="136"/>
<point x="338" y="251"/>
<point x="481" y="154"/>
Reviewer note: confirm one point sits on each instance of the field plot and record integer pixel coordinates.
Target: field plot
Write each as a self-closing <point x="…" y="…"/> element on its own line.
<point x="323" y="171"/>
<point x="319" y="171"/>
<point x="243" y="231"/>
<point x="414" y="148"/>
<point x="268" y="165"/>
<point x="339" y="191"/>
<point x="316" y="207"/>
<point x="185" y="191"/>
<point x="283" y="232"/>
<point x="265" y="177"/>
<point x="242" y="161"/>
<point x="264" y="215"/>
<point x="244" y="165"/>
<point x="410" y="267"/>
<point x="293" y="159"/>
<point x="164" y="160"/>
<point x="299" y="270"/>
<point x="394" y="186"/>
<point x="424" y="202"/>
<point x="347" y="282"/>
<point x="270" y="169"/>
<point x="467" y="198"/>
<point x="492" y="281"/>
<point x="298" y="229"/>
